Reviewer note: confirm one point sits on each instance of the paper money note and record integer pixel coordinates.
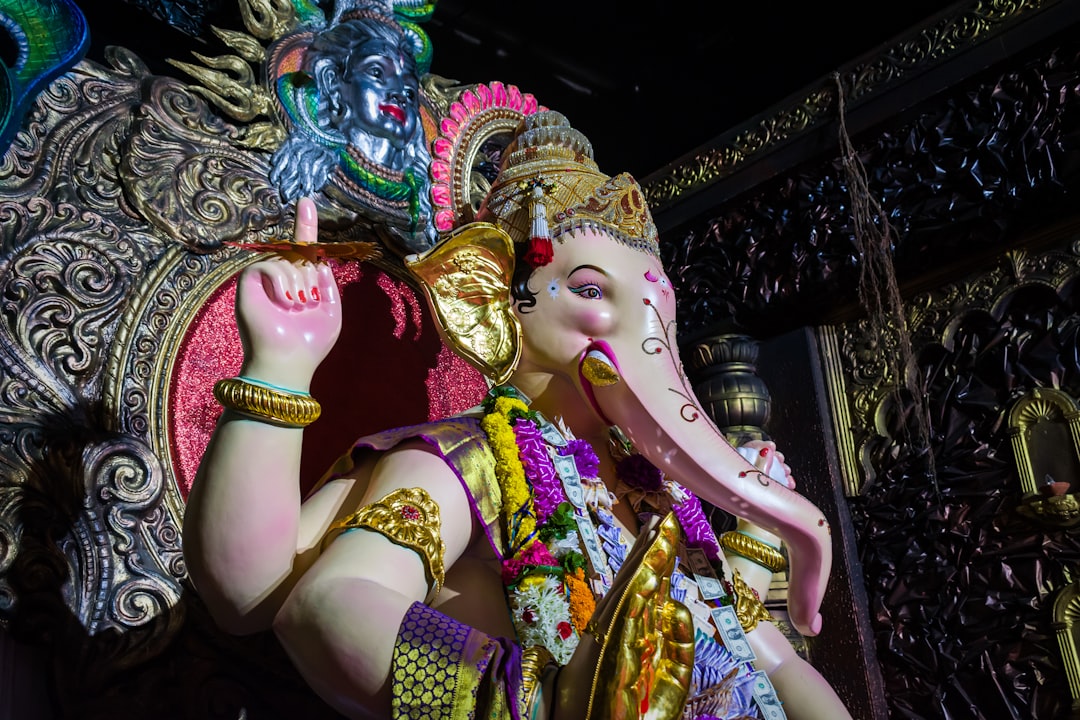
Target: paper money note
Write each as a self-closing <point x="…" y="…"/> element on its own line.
<point x="551" y="434"/>
<point x="765" y="696"/>
<point x="731" y="632"/>
<point x="591" y="543"/>
<point x="701" y="612"/>
<point x="571" y="481"/>
<point x="704" y="574"/>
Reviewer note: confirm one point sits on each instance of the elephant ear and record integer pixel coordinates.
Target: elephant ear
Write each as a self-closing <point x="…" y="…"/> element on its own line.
<point x="466" y="278"/>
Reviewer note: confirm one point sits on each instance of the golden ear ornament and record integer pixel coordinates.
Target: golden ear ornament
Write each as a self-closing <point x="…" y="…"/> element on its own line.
<point x="466" y="278"/>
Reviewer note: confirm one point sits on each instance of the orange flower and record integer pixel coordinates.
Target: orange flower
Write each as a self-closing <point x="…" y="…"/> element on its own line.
<point x="582" y="602"/>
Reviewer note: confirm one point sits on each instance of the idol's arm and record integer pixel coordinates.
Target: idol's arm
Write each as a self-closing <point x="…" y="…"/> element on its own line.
<point x="243" y="535"/>
<point x="347" y="615"/>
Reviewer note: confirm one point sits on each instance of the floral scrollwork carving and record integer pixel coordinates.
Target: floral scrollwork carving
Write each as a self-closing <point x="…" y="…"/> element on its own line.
<point x="185" y="170"/>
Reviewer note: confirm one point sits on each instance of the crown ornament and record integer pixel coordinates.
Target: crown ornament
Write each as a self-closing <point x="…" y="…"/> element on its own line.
<point x="550" y="186"/>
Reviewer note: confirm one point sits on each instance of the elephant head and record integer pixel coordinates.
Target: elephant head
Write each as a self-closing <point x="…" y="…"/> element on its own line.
<point x="588" y="325"/>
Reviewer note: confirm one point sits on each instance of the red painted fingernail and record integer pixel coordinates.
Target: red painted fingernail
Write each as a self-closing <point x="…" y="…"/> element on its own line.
<point x="288" y="295"/>
<point x="315" y="294"/>
<point x="764" y="452"/>
<point x="303" y="298"/>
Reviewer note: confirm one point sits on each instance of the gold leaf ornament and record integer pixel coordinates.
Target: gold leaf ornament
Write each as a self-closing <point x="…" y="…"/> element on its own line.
<point x="466" y="278"/>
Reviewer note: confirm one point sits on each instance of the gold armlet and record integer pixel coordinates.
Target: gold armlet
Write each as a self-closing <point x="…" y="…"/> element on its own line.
<point x="748" y="606"/>
<point x="754" y="550"/>
<point x="536" y="662"/>
<point x="410" y="518"/>
<point x="279" y="407"/>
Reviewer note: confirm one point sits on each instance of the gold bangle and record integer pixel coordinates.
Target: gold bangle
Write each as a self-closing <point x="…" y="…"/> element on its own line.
<point x="535" y="663"/>
<point x="754" y="550"/>
<point x="287" y="409"/>
<point x="410" y="518"/>
<point x="748" y="606"/>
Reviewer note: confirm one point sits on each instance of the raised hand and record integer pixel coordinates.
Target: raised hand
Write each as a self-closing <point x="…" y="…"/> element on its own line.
<point x="289" y="313"/>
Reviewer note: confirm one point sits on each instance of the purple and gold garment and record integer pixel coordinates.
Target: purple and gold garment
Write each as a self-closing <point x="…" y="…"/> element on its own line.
<point x="445" y="670"/>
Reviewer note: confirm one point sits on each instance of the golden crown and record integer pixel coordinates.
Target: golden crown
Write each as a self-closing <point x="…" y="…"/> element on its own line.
<point x="549" y="186"/>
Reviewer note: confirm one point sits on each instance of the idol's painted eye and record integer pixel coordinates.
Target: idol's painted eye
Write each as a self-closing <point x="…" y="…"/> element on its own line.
<point x="589" y="291"/>
<point x="553" y="288"/>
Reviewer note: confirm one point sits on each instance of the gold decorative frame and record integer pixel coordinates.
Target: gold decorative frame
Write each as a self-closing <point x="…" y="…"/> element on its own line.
<point x="1044" y="426"/>
<point x="1067" y="627"/>
<point x="862" y="389"/>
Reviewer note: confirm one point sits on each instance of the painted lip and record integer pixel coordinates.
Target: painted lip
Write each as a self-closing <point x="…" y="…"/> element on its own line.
<point x="586" y="386"/>
<point x="394" y="111"/>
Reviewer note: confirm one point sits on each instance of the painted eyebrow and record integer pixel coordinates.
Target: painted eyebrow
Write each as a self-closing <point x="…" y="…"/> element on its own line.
<point x="586" y="267"/>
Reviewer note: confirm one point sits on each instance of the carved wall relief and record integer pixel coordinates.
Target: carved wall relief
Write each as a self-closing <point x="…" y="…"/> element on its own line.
<point x="956" y="566"/>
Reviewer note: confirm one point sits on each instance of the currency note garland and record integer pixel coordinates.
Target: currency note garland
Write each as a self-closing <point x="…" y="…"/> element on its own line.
<point x="575" y="526"/>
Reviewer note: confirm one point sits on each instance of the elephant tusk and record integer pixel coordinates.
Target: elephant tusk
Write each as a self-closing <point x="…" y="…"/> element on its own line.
<point x="598" y="370"/>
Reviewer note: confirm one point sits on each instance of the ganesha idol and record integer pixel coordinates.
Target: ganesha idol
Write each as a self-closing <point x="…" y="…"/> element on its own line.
<point x="544" y="554"/>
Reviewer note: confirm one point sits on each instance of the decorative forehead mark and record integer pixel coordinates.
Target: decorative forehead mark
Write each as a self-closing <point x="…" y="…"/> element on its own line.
<point x="553" y="288"/>
<point x="659" y="278"/>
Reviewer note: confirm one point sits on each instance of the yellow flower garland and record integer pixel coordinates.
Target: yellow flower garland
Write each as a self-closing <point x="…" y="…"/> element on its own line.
<point x="509" y="472"/>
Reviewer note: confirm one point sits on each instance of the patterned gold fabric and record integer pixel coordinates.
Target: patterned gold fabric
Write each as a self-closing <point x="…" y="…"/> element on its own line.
<point x="463" y="445"/>
<point x="445" y="670"/>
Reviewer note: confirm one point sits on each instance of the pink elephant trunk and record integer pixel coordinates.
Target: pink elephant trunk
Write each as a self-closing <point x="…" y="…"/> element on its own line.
<point x="658" y="413"/>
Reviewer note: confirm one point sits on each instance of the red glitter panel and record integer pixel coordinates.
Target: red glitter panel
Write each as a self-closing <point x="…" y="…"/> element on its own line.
<point x="389" y="368"/>
<point x="209" y="352"/>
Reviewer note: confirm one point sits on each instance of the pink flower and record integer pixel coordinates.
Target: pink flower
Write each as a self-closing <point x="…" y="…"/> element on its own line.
<point x="511" y="569"/>
<point x="537" y="554"/>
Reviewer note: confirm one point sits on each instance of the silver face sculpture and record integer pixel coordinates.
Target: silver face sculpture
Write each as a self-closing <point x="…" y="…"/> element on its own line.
<point x="356" y="133"/>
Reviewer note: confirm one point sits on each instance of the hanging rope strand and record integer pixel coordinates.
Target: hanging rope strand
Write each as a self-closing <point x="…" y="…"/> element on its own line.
<point x="879" y="292"/>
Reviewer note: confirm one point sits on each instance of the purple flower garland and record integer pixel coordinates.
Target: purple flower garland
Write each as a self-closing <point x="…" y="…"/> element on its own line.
<point x="547" y="489"/>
